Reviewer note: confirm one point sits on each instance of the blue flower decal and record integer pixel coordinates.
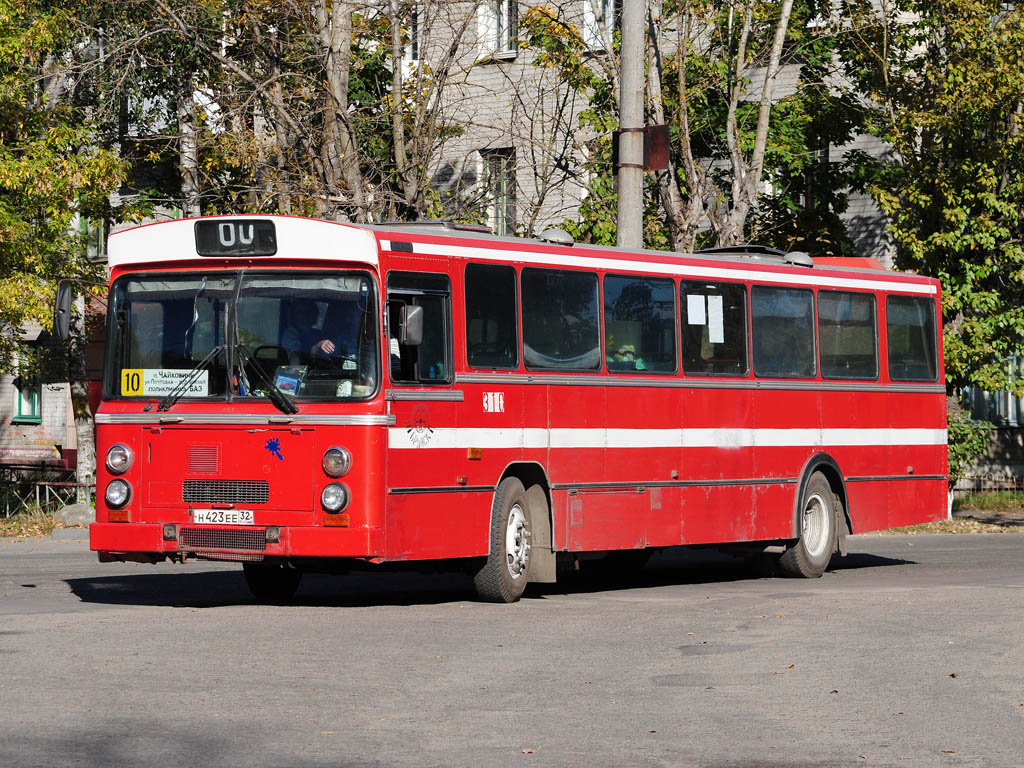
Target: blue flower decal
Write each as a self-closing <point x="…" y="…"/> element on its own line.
<point x="274" y="446"/>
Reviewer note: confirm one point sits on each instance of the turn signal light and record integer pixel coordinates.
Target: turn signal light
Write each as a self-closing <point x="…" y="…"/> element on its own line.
<point x="336" y="519"/>
<point x="118" y="515"/>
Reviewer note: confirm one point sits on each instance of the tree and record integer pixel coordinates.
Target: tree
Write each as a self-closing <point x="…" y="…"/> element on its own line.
<point x="712" y="77"/>
<point x="53" y="173"/>
<point x="945" y="83"/>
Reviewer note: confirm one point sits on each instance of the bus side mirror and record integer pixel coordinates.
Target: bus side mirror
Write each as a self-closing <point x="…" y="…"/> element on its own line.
<point x="411" y="325"/>
<point x="62" y="311"/>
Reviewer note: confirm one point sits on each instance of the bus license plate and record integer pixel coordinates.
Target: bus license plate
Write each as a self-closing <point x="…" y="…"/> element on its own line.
<point x="223" y="516"/>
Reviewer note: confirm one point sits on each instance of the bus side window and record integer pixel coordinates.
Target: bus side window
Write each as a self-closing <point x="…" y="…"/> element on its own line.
<point x="714" y="328"/>
<point x="491" y="333"/>
<point x="782" y="320"/>
<point x="910" y="329"/>
<point x="428" y="362"/>
<point x="847" y="335"/>
<point x="561" y="319"/>
<point x="639" y="324"/>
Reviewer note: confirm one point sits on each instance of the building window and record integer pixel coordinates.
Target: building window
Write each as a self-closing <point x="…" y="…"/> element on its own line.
<point x="28" y="386"/>
<point x="501" y="190"/>
<point x="412" y="29"/>
<point x="599" y="18"/>
<point x="499" y="27"/>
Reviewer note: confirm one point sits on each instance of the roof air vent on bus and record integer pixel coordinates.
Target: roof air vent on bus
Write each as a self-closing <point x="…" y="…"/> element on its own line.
<point x="799" y="259"/>
<point x="556" y="237"/>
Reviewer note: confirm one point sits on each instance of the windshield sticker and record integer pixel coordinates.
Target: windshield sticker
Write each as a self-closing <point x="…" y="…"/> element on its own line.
<point x="162" y="381"/>
<point x="274" y="446"/>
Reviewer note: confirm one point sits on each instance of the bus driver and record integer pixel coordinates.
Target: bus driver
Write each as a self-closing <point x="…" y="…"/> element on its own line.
<point x="302" y="339"/>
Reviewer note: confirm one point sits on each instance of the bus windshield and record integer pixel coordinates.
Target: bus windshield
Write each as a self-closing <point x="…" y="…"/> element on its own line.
<point x="241" y="335"/>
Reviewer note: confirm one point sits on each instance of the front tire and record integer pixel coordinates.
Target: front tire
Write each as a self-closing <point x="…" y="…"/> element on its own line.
<point x="271" y="582"/>
<point x="505" y="573"/>
<point x="809" y="556"/>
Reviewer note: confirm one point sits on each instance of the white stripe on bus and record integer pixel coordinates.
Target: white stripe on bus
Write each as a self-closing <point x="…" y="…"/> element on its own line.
<point x="448" y="437"/>
<point x="682" y="270"/>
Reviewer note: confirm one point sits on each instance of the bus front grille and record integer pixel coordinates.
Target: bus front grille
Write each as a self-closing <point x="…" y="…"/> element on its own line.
<point x="211" y="539"/>
<point x="225" y="491"/>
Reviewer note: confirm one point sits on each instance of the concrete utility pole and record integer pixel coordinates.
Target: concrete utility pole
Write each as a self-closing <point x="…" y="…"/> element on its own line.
<point x="631" y="123"/>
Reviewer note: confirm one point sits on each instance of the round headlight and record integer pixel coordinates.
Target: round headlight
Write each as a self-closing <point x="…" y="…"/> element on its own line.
<point x="119" y="458"/>
<point x="337" y="462"/>
<point x="334" y="497"/>
<point x="118" y="493"/>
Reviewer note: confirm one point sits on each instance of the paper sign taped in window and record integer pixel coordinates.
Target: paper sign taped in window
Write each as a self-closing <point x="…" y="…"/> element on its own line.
<point x="695" y="309"/>
<point x="716" y="324"/>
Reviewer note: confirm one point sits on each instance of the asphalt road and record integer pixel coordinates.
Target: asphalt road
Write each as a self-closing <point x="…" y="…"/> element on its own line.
<point x="909" y="652"/>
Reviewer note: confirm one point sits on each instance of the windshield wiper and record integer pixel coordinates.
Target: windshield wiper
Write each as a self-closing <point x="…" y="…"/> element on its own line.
<point x="182" y="387"/>
<point x="277" y="397"/>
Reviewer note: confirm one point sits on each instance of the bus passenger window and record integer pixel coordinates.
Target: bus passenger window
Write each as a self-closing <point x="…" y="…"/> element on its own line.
<point x="782" y="322"/>
<point x="640" y="324"/>
<point x="561" y="323"/>
<point x="714" y="328"/>
<point x="847" y="335"/>
<point x="491" y="335"/>
<point x="428" y="362"/>
<point x="910" y="329"/>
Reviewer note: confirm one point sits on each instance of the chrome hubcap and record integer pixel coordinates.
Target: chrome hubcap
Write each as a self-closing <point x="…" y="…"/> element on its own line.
<point x="517" y="542"/>
<point x="815" y="525"/>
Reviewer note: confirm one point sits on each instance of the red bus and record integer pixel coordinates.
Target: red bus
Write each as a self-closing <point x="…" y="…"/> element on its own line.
<point x="306" y="395"/>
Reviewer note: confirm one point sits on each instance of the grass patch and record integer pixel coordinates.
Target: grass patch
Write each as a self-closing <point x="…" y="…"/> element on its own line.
<point x="991" y="501"/>
<point x="27" y="523"/>
<point x="956" y="525"/>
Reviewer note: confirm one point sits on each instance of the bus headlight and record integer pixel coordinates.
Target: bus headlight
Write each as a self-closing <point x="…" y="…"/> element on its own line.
<point x="334" y="497"/>
<point x="119" y="458"/>
<point x="118" y="493"/>
<point x="337" y="462"/>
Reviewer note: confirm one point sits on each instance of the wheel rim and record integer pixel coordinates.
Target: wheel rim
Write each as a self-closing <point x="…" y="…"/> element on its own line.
<point x="815" y="525"/>
<point x="517" y="544"/>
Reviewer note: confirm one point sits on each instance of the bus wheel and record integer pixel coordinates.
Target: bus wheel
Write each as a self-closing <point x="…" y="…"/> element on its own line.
<point x="809" y="555"/>
<point x="271" y="582"/>
<point x="504" y="574"/>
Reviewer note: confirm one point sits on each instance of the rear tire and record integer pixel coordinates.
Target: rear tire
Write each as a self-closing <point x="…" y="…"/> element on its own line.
<point x="271" y="582"/>
<point x="809" y="556"/>
<point x="505" y="573"/>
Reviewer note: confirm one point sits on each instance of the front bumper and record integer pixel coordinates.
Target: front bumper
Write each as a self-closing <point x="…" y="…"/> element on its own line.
<point x="295" y="541"/>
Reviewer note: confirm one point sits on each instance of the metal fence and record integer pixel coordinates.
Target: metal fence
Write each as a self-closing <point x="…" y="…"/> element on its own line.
<point x="991" y="482"/>
<point x="39" y="495"/>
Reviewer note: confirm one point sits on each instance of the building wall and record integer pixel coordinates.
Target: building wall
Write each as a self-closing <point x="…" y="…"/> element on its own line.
<point x="48" y="443"/>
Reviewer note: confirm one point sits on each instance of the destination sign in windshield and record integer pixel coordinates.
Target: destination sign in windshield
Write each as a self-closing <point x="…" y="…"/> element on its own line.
<point x="236" y="237"/>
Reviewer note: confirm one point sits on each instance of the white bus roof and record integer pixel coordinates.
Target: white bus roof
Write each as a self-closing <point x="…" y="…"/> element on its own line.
<point x="297" y="238"/>
<point x="319" y="240"/>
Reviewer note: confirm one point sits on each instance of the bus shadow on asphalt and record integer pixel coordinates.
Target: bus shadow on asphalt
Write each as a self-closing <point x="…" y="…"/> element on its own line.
<point x="222" y="588"/>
